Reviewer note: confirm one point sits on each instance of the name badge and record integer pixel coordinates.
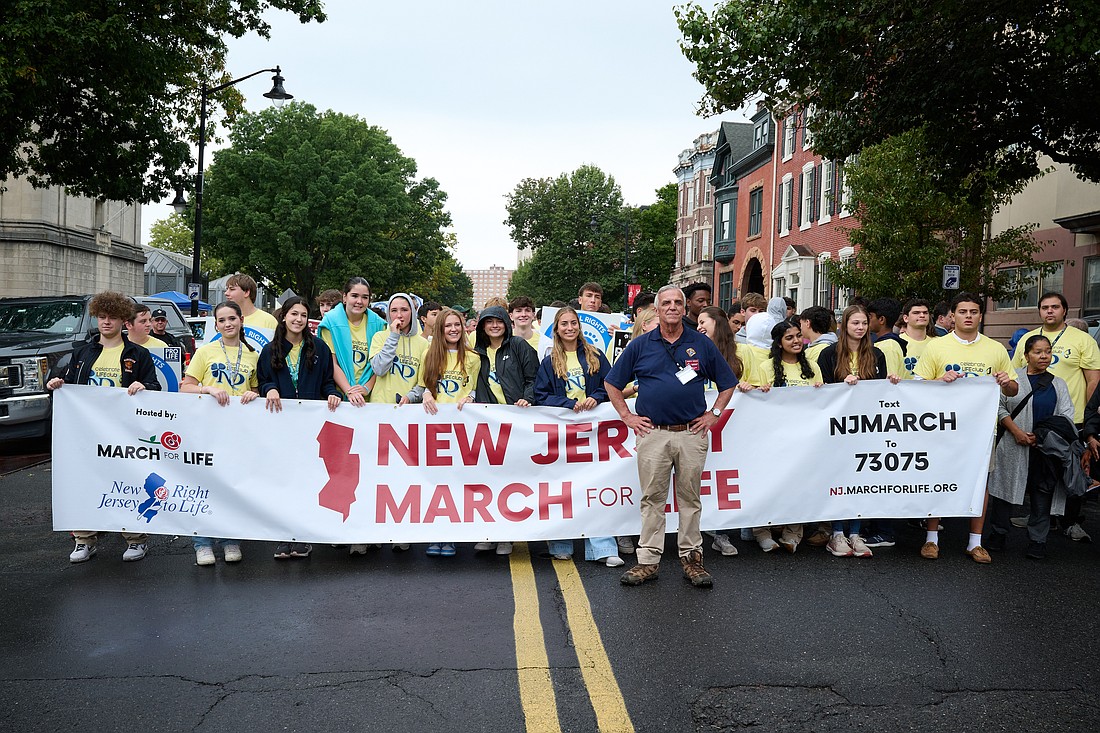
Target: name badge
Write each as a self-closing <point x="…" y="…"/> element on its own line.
<point x="686" y="374"/>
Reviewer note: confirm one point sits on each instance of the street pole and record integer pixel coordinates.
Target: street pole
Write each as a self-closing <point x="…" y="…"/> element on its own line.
<point x="277" y="95"/>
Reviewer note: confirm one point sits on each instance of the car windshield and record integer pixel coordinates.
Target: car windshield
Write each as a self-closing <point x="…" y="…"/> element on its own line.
<point x="55" y="316"/>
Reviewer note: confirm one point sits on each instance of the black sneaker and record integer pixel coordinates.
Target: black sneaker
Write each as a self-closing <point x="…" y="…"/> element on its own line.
<point x="877" y="540"/>
<point x="1036" y="551"/>
<point x="282" y="551"/>
<point x="995" y="541"/>
<point x="300" y="549"/>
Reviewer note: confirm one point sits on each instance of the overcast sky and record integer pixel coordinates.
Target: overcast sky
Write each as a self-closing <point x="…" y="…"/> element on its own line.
<point x="486" y="93"/>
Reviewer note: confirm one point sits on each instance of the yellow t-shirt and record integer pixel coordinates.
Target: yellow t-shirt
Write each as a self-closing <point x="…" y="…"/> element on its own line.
<point x="209" y="368"/>
<point x="895" y="359"/>
<point x="980" y="358"/>
<point x="574" y="381"/>
<point x="813" y="352"/>
<point x="494" y="383"/>
<point x="534" y="341"/>
<point x="261" y="319"/>
<point x="360" y="349"/>
<point x="1075" y="350"/>
<point x="404" y="373"/>
<point x="913" y="351"/>
<point x="453" y="386"/>
<point x="151" y="343"/>
<point x="792" y="373"/>
<point x="107" y="370"/>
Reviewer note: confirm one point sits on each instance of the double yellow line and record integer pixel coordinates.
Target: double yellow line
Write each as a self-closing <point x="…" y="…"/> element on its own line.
<point x="536" y="687"/>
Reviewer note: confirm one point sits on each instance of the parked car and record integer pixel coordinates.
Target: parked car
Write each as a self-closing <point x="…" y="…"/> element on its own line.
<point x="37" y="339"/>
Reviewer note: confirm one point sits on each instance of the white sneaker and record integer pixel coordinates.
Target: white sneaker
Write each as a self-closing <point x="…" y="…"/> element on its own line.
<point x="504" y="548"/>
<point x="400" y="548"/>
<point x="84" y="551"/>
<point x="357" y="550"/>
<point x="859" y="547"/>
<point x="839" y="547"/>
<point x="626" y="545"/>
<point x="484" y="546"/>
<point x="1077" y="533"/>
<point x="232" y="552"/>
<point x="723" y="545"/>
<point x="767" y="544"/>
<point x="614" y="561"/>
<point x="204" y="556"/>
<point x="563" y="556"/>
<point x="135" y="551"/>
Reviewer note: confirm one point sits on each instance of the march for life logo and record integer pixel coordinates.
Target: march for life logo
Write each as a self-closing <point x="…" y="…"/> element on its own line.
<point x="155" y="495"/>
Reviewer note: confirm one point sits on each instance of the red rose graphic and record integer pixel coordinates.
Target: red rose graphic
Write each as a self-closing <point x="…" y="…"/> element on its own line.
<point x="170" y="440"/>
<point x="161" y="493"/>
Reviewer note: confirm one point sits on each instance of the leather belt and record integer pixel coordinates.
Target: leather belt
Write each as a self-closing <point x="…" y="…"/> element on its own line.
<point x="673" y="428"/>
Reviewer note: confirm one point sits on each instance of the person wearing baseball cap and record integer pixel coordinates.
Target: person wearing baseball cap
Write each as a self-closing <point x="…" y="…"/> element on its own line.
<point x="160" y="328"/>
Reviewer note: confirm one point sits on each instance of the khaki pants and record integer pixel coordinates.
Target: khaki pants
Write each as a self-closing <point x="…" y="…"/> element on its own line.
<point x="662" y="453"/>
<point x="91" y="538"/>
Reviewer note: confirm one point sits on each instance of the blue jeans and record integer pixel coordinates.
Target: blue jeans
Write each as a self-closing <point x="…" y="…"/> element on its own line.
<point x="199" y="542"/>
<point x="853" y="526"/>
<point x="595" y="548"/>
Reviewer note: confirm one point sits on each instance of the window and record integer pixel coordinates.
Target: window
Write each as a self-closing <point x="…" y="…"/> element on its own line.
<point x="725" y="230"/>
<point x="807" y="136"/>
<point x="690" y="199"/>
<point x="806" y="200"/>
<point x="786" y="203"/>
<point x="725" y="290"/>
<point x="1092" y="285"/>
<point x="789" y="128"/>
<point x="845" y="192"/>
<point x="1033" y="285"/>
<point x="826" y="291"/>
<point x="756" y="211"/>
<point x="706" y="194"/>
<point x="828" y="171"/>
<point x="706" y="244"/>
<point x="760" y="133"/>
<point x="779" y="287"/>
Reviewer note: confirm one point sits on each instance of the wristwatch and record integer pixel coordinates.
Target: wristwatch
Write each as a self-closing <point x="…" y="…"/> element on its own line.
<point x="716" y="412"/>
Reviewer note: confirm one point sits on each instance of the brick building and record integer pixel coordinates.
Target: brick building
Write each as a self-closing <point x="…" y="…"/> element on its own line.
<point x="694" y="259"/>
<point x="489" y="283"/>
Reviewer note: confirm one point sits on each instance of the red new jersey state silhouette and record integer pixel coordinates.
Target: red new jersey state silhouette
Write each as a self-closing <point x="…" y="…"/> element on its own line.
<point x="342" y="466"/>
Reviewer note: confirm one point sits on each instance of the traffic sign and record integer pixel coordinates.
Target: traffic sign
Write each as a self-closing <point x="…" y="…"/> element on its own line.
<point x="951" y="276"/>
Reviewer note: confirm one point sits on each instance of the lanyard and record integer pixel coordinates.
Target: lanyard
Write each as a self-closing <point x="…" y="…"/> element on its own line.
<point x="234" y="370"/>
<point x="1055" y="343"/>
<point x="294" y="368"/>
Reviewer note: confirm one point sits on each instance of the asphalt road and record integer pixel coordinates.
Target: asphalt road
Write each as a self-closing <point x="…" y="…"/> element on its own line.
<point x="403" y="642"/>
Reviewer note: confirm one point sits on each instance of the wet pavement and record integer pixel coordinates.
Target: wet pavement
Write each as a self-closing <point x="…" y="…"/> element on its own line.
<point x="402" y="642"/>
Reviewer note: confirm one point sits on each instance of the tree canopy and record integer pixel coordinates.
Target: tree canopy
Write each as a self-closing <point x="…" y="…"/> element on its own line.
<point x="305" y="200"/>
<point x="909" y="229"/>
<point x="576" y="224"/>
<point x="103" y="98"/>
<point x="993" y="84"/>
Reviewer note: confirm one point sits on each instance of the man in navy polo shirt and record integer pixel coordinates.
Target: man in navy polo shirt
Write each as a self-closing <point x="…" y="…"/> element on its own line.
<point x="672" y="426"/>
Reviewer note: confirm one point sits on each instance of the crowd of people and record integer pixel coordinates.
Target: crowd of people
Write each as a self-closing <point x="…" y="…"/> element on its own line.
<point x="412" y="351"/>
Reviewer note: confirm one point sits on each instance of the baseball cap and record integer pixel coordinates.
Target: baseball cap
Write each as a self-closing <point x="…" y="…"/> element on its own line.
<point x="159" y="313"/>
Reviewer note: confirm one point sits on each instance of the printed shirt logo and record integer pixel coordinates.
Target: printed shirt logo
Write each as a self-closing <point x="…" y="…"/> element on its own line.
<point x="405" y="371"/>
<point x="102" y="380"/>
<point x="910" y="363"/>
<point x="221" y="374"/>
<point x="969" y="369"/>
<point x="690" y="351"/>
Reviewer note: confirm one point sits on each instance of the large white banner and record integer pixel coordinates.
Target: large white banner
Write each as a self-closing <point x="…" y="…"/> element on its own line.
<point x="180" y="464"/>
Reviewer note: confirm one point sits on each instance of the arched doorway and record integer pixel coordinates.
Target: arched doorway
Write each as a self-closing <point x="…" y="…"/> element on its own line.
<point x="753" y="279"/>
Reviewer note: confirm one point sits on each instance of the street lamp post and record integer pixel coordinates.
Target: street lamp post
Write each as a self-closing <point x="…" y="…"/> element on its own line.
<point x="625" y="224"/>
<point x="277" y="95"/>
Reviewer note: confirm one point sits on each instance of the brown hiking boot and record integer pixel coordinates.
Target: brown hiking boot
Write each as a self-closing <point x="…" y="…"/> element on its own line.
<point x="694" y="570"/>
<point x="639" y="574"/>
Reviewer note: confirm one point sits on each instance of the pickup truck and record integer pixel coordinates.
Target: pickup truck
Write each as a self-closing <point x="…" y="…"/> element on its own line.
<point x="37" y="338"/>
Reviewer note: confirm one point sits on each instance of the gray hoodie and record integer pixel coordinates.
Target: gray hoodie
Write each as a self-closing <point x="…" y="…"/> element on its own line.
<point x="383" y="360"/>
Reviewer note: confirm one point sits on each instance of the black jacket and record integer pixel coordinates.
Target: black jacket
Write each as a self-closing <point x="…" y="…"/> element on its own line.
<point x="517" y="363"/>
<point x="137" y="365"/>
<point x="315" y="381"/>
<point x="826" y="361"/>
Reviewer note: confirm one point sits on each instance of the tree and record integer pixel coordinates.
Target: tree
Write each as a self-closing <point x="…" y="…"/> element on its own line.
<point x="304" y="200"/>
<point x="909" y="229"/>
<point x="993" y="84"/>
<point x="103" y="97"/>
<point x="173" y="233"/>
<point x="554" y="217"/>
